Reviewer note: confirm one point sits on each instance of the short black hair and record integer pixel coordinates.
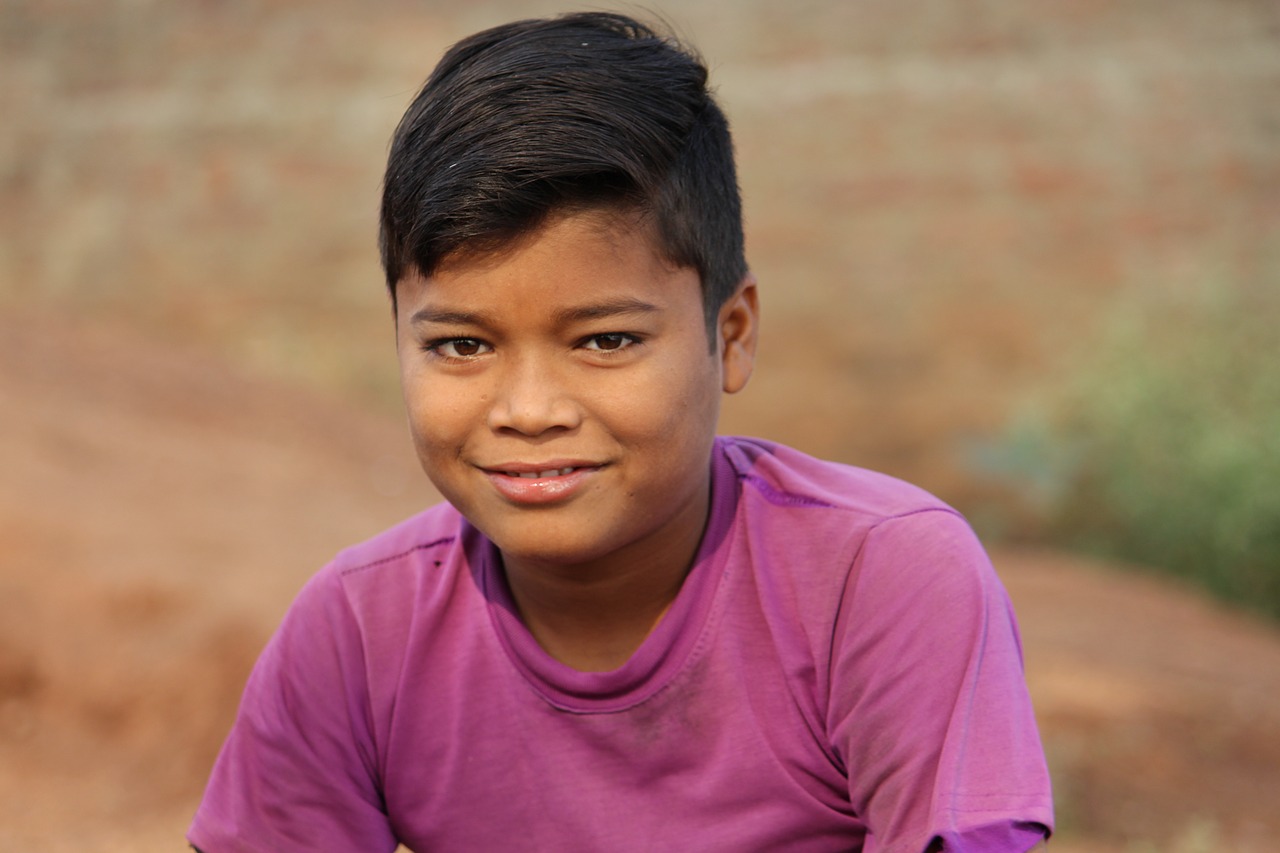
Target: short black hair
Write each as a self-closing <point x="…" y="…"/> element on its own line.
<point x="537" y="117"/>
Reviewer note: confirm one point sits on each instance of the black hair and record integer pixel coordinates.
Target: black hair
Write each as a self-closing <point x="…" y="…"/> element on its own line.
<point x="578" y="112"/>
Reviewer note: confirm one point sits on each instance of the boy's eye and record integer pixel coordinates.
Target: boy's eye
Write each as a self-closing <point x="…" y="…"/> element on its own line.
<point x="611" y="342"/>
<point x="458" y="347"/>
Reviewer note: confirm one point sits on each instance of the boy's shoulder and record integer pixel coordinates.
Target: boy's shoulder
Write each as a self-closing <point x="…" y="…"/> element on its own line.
<point x="380" y="585"/>
<point x="784" y="476"/>
<point x="421" y="536"/>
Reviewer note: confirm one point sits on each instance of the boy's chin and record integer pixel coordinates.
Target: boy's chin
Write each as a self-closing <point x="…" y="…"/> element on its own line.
<point x="539" y="557"/>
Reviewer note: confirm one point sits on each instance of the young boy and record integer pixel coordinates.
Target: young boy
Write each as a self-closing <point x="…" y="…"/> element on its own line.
<point x="621" y="633"/>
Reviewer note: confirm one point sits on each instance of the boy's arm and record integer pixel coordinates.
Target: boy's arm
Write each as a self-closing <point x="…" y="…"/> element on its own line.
<point x="929" y="710"/>
<point x="299" y="770"/>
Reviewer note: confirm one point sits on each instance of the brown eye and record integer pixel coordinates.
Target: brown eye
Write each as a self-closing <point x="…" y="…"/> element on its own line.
<point x="459" y="348"/>
<point x="609" y="342"/>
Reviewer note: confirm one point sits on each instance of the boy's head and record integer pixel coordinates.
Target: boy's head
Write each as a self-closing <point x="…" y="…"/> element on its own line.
<point x="574" y="113"/>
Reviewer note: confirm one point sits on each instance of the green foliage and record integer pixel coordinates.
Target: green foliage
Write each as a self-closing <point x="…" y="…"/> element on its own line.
<point x="1164" y="447"/>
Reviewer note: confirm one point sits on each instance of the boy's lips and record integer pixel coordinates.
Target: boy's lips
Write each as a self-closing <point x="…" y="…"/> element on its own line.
<point x="539" y="474"/>
<point x="541" y="482"/>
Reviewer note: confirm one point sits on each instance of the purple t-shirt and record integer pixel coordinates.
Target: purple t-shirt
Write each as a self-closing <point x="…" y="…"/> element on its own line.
<point x="840" y="671"/>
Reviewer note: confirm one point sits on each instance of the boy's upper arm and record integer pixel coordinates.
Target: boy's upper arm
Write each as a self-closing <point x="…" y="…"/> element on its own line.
<point x="299" y="770"/>
<point x="929" y="710"/>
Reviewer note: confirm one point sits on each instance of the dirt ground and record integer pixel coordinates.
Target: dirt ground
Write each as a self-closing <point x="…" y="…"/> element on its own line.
<point x="944" y="201"/>
<point x="158" y="510"/>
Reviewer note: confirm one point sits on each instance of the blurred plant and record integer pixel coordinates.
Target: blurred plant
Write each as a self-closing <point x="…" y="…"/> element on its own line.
<point x="1163" y="447"/>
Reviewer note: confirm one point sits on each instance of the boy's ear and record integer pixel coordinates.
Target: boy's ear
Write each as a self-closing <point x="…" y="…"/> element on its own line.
<point x="738" y="325"/>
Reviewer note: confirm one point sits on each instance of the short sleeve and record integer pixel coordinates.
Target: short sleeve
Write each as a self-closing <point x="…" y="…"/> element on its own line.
<point x="298" y="771"/>
<point x="930" y="711"/>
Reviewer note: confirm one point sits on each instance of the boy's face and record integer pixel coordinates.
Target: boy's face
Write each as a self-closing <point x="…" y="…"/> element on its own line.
<point x="562" y="394"/>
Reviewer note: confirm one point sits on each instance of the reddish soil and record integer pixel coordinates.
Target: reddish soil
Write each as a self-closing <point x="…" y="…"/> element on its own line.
<point x="158" y="511"/>
<point x="944" y="203"/>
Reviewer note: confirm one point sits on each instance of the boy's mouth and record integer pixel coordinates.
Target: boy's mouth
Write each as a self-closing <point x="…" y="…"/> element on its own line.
<point x="539" y="470"/>
<point x="541" y="475"/>
<point x="542" y="482"/>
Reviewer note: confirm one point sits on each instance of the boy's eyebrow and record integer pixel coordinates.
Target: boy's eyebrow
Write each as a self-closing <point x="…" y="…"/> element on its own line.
<point x="564" y="316"/>
<point x="447" y="318"/>
<point x="609" y="308"/>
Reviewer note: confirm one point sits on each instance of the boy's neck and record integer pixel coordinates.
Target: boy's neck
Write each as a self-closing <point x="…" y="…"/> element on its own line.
<point x="592" y="617"/>
<point x="592" y="627"/>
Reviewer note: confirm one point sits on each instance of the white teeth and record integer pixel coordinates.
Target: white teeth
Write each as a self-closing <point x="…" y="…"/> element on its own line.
<point x="540" y="475"/>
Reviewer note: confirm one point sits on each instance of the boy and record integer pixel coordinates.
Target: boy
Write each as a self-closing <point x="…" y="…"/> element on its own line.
<point x="621" y="632"/>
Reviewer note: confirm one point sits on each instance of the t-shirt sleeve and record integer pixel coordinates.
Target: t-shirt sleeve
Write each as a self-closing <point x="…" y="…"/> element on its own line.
<point x="299" y="770"/>
<point x="930" y="711"/>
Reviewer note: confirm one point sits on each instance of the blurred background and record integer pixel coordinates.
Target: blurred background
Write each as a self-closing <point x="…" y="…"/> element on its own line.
<point x="1025" y="255"/>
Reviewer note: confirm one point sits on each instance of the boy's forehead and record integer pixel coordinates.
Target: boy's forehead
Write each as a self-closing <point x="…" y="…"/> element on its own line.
<point x="574" y="265"/>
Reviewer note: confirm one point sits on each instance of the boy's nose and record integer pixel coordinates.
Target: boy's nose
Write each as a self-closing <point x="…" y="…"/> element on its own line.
<point x="531" y="400"/>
